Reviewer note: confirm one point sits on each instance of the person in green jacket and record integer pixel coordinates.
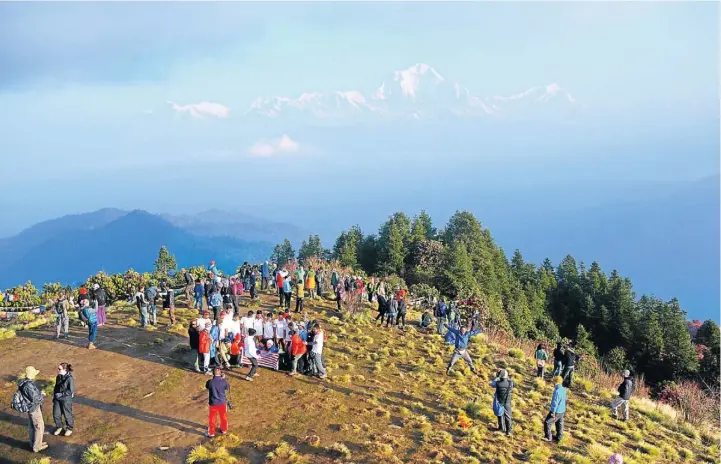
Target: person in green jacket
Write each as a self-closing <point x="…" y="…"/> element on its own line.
<point x="334" y="278"/>
<point x="541" y="358"/>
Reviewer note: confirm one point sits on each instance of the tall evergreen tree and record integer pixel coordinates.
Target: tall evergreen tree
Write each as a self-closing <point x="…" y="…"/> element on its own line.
<point x="165" y="263"/>
<point x="311" y="247"/>
<point x="283" y="253"/>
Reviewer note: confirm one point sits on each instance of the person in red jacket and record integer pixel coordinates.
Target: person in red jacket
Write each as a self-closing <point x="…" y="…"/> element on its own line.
<point x="235" y="348"/>
<point x="297" y="349"/>
<point x="279" y="283"/>
<point x="204" y="347"/>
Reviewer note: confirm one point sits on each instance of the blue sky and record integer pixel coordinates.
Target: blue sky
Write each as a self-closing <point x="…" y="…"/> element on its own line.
<point x="84" y="86"/>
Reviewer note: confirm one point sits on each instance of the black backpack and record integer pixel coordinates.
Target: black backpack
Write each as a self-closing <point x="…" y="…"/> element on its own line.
<point x="20" y="402"/>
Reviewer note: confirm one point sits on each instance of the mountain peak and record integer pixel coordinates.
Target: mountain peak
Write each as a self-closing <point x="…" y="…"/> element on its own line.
<point x="417" y="92"/>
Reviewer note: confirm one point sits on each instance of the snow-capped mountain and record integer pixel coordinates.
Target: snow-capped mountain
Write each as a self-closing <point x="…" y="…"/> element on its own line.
<point x="419" y="92"/>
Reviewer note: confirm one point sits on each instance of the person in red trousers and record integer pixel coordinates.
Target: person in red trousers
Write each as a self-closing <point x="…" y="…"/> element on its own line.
<point x="218" y="402"/>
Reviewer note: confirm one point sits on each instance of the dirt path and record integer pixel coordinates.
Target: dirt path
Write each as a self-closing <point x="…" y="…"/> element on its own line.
<point x="135" y="388"/>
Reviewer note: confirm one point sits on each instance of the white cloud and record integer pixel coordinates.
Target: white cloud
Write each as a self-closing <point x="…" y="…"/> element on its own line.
<point x="266" y="148"/>
<point x="202" y="109"/>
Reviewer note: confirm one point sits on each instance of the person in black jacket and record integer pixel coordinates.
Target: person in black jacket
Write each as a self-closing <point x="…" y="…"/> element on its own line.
<point x="570" y="358"/>
<point x="382" y="308"/>
<point x="63" y="395"/>
<point x="33" y="395"/>
<point x="624" y="395"/>
<point x="194" y="336"/>
<point x="101" y="298"/>
<point x="502" y="401"/>
<point x="558" y="360"/>
<point x="402" y="310"/>
<point x="169" y="303"/>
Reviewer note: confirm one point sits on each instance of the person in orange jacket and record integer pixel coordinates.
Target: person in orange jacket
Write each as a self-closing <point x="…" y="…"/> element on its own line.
<point x="204" y="348"/>
<point x="297" y="349"/>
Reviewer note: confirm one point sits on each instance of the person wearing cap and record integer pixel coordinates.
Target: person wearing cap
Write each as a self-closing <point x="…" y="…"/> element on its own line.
<point x="502" y="401"/>
<point x="624" y="395"/>
<point x="556" y="411"/>
<point x="34" y="396"/>
<point x="217" y="402"/>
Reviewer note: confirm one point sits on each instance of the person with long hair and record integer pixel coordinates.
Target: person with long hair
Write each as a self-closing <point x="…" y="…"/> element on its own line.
<point x="63" y="395"/>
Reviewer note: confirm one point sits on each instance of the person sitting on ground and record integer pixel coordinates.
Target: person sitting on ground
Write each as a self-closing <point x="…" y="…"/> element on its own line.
<point x="624" y="395"/>
<point x="426" y="319"/>
<point x="462" y="337"/>
<point x="557" y="411"/>
<point x="502" y="401"/>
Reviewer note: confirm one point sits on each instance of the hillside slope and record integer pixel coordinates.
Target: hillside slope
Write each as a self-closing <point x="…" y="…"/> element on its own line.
<point x="131" y="241"/>
<point x="387" y="400"/>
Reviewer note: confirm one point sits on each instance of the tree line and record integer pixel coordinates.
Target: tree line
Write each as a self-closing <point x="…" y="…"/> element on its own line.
<point x="541" y="302"/>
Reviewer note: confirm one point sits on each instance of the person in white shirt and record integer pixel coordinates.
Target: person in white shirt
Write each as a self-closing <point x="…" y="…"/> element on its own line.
<point x="281" y="332"/>
<point x="250" y="352"/>
<point x="258" y="326"/>
<point x="236" y="326"/>
<point x="268" y="327"/>
<point x="246" y="323"/>
<point x="317" y="351"/>
<point x="226" y="324"/>
<point x="201" y="322"/>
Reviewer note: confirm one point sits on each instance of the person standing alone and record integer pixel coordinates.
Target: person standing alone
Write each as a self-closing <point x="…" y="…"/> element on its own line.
<point x="217" y="402"/>
<point x="63" y="395"/>
<point x="624" y="395"/>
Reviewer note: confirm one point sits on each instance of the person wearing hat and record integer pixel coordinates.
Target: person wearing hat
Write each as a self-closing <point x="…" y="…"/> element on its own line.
<point x="624" y="395"/>
<point x="556" y="411"/>
<point x="32" y="394"/>
<point x="502" y="401"/>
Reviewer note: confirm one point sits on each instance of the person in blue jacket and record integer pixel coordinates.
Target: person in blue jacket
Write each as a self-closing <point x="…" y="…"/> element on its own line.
<point x="556" y="411"/>
<point x="90" y="314"/>
<point x="461" y="343"/>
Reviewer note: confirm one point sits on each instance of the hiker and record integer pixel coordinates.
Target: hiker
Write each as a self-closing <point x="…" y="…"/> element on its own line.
<point x="462" y="338"/>
<point x="28" y="399"/>
<point x="142" y="305"/>
<point x="297" y="350"/>
<point x="63" y="395"/>
<point x="541" y="356"/>
<point x="624" y="395"/>
<point x="204" y="346"/>
<point x="217" y="402"/>
<point x="558" y="359"/>
<point x="338" y="289"/>
<point x="319" y="280"/>
<point x="236" y="289"/>
<point x="299" y="288"/>
<point x="334" y="278"/>
<point x="151" y="294"/>
<point x="251" y="282"/>
<point x="212" y="268"/>
<point x="570" y="358"/>
<point x="268" y="328"/>
<point x="441" y="313"/>
<point x="279" y="281"/>
<point x="556" y="411"/>
<point x="391" y="311"/>
<point x="502" y="401"/>
<point x="198" y="291"/>
<point x="194" y="355"/>
<point x="250" y="352"/>
<point x="402" y="310"/>
<point x="189" y="287"/>
<point x="426" y="319"/>
<point x="61" y="317"/>
<point x="382" y="308"/>
<point x="281" y="331"/>
<point x="317" y="351"/>
<point x="90" y="315"/>
<point x="246" y="323"/>
<point x="264" y="275"/>
<point x="258" y="326"/>
<point x="101" y="298"/>
<point x="215" y="302"/>
<point x="169" y="303"/>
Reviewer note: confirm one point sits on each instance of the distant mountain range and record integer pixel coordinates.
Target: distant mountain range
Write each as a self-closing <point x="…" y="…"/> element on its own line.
<point x="71" y="248"/>
<point x="416" y="93"/>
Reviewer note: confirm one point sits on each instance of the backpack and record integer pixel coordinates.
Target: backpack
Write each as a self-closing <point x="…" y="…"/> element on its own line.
<point x="83" y="316"/>
<point x="20" y="402"/>
<point x="59" y="308"/>
<point x="150" y="294"/>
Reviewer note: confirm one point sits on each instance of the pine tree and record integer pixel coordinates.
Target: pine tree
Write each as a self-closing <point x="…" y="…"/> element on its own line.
<point x="283" y="253"/>
<point x="346" y="246"/>
<point x="679" y="356"/>
<point x="165" y="263"/>
<point x="312" y="247"/>
<point x="708" y="336"/>
<point x="457" y="279"/>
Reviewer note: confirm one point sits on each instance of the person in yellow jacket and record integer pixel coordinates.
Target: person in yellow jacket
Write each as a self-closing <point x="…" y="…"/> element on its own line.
<point x="310" y="283"/>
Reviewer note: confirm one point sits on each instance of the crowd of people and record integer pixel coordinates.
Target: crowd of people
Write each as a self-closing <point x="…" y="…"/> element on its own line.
<point x="221" y="339"/>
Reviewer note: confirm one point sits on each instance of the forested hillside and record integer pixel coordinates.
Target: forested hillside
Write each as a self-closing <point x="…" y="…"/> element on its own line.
<point x="541" y="302"/>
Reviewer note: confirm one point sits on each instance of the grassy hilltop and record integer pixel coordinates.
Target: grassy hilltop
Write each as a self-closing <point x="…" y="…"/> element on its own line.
<point x="387" y="400"/>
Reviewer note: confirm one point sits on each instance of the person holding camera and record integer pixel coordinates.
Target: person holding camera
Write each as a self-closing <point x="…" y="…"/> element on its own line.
<point x="218" y="404"/>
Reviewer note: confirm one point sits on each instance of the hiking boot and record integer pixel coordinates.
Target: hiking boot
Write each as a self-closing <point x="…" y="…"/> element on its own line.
<point x="68" y="433"/>
<point x="57" y="432"/>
